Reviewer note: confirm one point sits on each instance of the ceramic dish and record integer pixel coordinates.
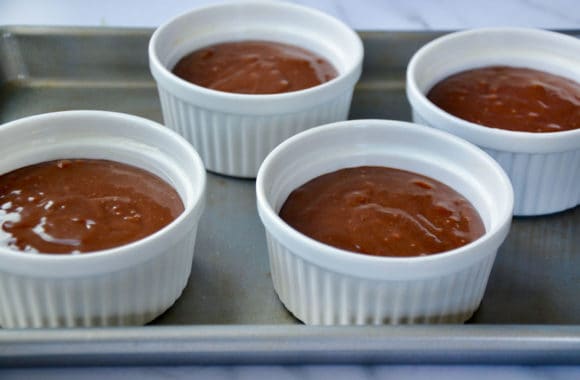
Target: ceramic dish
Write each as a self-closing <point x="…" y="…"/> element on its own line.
<point x="324" y="285"/>
<point x="544" y="167"/>
<point x="125" y="285"/>
<point x="234" y="132"/>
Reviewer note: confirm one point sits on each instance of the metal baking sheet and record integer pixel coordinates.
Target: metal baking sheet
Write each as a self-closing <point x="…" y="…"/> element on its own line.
<point x="229" y="312"/>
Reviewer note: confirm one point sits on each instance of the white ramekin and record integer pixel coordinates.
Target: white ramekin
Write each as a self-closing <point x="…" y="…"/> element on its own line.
<point x="234" y="132"/>
<point x="324" y="285"/>
<point x="544" y="167"/>
<point x="126" y="285"/>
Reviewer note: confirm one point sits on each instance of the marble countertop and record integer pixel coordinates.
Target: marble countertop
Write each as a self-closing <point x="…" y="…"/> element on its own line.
<point x="361" y="15"/>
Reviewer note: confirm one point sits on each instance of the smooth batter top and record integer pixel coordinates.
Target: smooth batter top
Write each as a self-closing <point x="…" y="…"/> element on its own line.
<point x="382" y="211"/>
<point x="254" y="67"/>
<point x="81" y="205"/>
<point x="512" y="98"/>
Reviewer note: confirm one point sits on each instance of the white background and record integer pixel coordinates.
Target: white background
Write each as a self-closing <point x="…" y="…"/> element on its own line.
<point x="359" y="14"/>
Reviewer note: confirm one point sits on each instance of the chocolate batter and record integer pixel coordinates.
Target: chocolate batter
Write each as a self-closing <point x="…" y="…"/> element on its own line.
<point x="512" y="98"/>
<point x="79" y="205"/>
<point x="254" y="67"/>
<point x="382" y="211"/>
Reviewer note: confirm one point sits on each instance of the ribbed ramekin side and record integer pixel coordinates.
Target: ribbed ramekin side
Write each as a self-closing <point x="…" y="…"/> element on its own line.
<point x="543" y="183"/>
<point x="319" y="296"/>
<point x="236" y="144"/>
<point x="131" y="296"/>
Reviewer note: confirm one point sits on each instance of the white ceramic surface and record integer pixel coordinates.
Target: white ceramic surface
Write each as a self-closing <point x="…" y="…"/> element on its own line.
<point x="234" y="132"/>
<point x="544" y="167"/>
<point x="321" y="284"/>
<point x="126" y="285"/>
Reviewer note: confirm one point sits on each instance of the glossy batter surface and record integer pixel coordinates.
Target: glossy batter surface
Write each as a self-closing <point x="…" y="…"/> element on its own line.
<point x="254" y="67"/>
<point x="512" y="98"/>
<point x="382" y="211"/>
<point x="79" y="205"/>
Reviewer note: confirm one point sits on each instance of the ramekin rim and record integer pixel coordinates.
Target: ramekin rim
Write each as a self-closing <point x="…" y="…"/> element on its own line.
<point x="256" y="98"/>
<point x="265" y="208"/>
<point x="415" y="95"/>
<point x="195" y="207"/>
